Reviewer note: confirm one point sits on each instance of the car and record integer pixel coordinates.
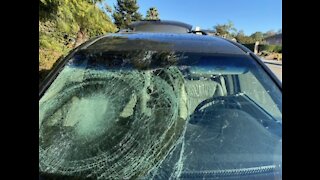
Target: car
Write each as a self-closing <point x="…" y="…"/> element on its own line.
<point x="149" y="104"/>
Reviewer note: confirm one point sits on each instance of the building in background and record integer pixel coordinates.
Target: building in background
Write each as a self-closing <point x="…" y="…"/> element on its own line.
<point x="274" y="40"/>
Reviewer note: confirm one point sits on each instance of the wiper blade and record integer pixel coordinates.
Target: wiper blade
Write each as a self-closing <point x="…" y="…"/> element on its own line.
<point x="230" y="172"/>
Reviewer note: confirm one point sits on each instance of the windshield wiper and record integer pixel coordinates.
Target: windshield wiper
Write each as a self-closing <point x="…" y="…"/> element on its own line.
<point x="231" y="172"/>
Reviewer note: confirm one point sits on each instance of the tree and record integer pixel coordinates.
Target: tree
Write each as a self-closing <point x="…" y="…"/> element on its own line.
<point x="84" y="18"/>
<point x="64" y="24"/>
<point x="269" y="33"/>
<point x="241" y="33"/>
<point x="152" y="14"/>
<point x="94" y="1"/>
<point x="257" y="36"/>
<point x="279" y="31"/>
<point x="243" y="39"/>
<point x="108" y="8"/>
<point x="225" y="30"/>
<point x="48" y="8"/>
<point x="126" y="11"/>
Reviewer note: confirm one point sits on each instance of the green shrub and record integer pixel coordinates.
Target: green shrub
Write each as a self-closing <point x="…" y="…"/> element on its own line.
<point x="60" y="22"/>
<point x="250" y="46"/>
<point x="47" y="58"/>
<point x="278" y="49"/>
<point x="49" y="42"/>
<point x="270" y="48"/>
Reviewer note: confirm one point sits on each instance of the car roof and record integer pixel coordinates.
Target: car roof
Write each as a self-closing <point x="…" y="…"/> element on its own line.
<point x="187" y="42"/>
<point x="160" y="26"/>
<point x="157" y="22"/>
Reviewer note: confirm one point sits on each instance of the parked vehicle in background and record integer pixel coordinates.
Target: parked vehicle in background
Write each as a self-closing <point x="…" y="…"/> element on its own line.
<point x="160" y="105"/>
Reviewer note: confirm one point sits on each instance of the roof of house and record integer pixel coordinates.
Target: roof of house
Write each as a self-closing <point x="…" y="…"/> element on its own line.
<point x="277" y="36"/>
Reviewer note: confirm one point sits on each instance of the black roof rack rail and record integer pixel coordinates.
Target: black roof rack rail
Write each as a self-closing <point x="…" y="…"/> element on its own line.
<point x="198" y="31"/>
<point x="160" y="26"/>
<point x="167" y="22"/>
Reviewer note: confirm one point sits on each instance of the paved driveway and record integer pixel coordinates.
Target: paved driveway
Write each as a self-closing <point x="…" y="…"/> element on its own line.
<point x="275" y="66"/>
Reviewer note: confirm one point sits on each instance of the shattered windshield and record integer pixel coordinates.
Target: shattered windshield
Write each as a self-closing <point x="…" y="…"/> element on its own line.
<point x="160" y="115"/>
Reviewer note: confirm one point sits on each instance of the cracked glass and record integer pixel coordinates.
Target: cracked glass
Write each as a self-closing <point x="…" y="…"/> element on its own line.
<point x="160" y="115"/>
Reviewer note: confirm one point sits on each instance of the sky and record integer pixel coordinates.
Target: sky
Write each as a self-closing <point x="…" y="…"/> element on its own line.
<point x="247" y="15"/>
